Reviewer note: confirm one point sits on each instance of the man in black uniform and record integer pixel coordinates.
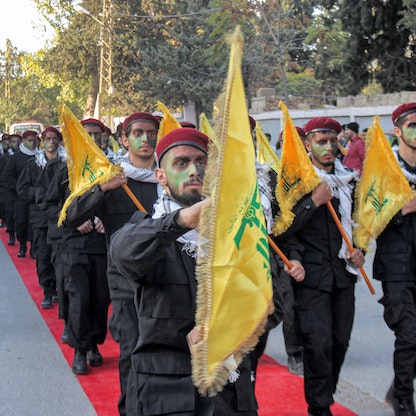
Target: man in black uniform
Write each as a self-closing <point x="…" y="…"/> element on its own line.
<point x="395" y="266"/>
<point x="12" y="170"/>
<point x="84" y="258"/>
<point x="139" y="136"/>
<point x="159" y="254"/>
<point x="324" y="300"/>
<point x="26" y="189"/>
<point x="7" y="195"/>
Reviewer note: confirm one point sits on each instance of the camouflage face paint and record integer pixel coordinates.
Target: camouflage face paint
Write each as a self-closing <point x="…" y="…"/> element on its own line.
<point x="409" y="135"/>
<point x="51" y="144"/>
<point x="29" y="144"/>
<point x="136" y="143"/>
<point x="322" y="150"/>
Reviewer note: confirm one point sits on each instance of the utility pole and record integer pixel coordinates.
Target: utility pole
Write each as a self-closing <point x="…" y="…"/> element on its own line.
<point x="106" y="63"/>
<point x="105" y="86"/>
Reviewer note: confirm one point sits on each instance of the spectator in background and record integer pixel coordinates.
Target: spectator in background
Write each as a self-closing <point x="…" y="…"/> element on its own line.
<point x="355" y="155"/>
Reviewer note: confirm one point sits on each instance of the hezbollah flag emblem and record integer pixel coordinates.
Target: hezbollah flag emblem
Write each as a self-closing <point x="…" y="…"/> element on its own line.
<point x="233" y="269"/>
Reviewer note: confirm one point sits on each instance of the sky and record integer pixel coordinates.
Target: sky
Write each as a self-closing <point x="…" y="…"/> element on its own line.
<point x="18" y="23"/>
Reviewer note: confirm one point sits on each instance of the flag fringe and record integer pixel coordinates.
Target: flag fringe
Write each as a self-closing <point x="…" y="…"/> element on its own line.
<point x="212" y="385"/>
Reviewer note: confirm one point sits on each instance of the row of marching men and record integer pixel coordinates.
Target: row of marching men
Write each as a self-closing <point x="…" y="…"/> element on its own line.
<point x="322" y="279"/>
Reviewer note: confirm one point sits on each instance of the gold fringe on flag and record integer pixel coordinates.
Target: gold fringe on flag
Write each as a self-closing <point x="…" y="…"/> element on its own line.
<point x="233" y="267"/>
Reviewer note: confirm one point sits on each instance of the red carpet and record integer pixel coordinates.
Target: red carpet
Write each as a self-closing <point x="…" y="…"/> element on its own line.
<point x="279" y="393"/>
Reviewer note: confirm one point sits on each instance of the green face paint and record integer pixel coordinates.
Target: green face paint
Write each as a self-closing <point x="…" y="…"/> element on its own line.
<point x="185" y="178"/>
<point x="409" y="136"/>
<point x="177" y="177"/>
<point x="321" y="150"/>
<point x="136" y="143"/>
<point x="51" y="145"/>
<point x="29" y="144"/>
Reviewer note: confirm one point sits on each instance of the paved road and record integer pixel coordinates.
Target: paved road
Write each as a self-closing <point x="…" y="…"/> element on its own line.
<point x="35" y="377"/>
<point x="368" y="370"/>
<point x="37" y="381"/>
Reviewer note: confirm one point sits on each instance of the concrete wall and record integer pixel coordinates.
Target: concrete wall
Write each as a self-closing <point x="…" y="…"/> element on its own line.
<point x="361" y="108"/>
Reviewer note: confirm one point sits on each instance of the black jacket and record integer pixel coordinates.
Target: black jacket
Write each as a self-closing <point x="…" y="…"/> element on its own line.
<point x="319" y="242"/>
<point x="145" y="251"/>
<point x="115" y="209"/>
<point x="395" y="258"/>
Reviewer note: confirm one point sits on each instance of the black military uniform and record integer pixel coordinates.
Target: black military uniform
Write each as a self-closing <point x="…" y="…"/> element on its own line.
<point x="117" y="208"/>
<point x="84" y="258"/>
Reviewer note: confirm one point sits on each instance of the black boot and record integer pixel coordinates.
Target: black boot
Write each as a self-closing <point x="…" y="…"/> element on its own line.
<point x="79" y="365"/>
<point x="32" y="252"/>
<point x="47" y="298"/>
<point x="94" y="357"/>
<point x="22" y="250"/>
<point x="64" y="336"/>
<point x="12" y="239"/>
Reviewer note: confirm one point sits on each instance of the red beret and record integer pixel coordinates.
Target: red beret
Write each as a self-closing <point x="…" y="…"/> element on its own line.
<point x="322" y="124"/>
<point x="30" y="133"/>
<point x="402" y="111"/>
<point x="183" y="136"/>
<point x="132" y="118"/>
<point x="187" y="124"/>
<point x="300" y="131"/>
<point x="94" y="122"/>
<point x="54" y="130"/>
<point x="252" y="123"/>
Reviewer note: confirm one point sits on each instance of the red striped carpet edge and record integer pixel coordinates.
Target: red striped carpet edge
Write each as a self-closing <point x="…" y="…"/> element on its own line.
<point x="279" y="393"/>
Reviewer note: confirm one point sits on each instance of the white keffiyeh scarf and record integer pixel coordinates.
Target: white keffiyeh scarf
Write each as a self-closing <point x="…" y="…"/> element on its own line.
<point x="27" y="151"/>
<point x="263" y="181"/>
<point x="164" y="205"/>
<point x="342" y="186"/>
<point x="135" y="173"/>
<point x="41" y="159"/>
<point x="411" y="177"/>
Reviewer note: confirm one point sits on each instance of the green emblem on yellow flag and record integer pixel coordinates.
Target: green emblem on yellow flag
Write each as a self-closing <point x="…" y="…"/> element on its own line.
<point x="382" y="190"/>
<point x="87" y="164"/>
<point x="233" y="267"/>
<point x="296" y="177"/>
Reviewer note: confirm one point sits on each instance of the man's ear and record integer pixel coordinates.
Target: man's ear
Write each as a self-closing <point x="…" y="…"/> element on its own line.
<point x="161" y="176"/>
<point x="308" y="145"/>
<point x="397" y="131"/>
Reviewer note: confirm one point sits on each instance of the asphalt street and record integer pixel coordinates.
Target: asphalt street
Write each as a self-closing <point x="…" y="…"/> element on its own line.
<point x="36" y="379"/>
<point x="368" y="368"/>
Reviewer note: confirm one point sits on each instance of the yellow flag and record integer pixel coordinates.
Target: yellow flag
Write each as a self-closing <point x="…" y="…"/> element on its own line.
<point x="168" y="122"/>
<point x="265" y="153"/>
<point x="115" y="145"/>
<point x="207" y="129"/>
<point x="233" y="270"/>
<point x="382" y="190"/>
<point x="87" y="164"/>
<point x="296" y="177"/>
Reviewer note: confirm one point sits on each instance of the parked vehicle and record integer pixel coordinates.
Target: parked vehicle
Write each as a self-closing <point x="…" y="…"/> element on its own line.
<point x="19" y="127"/>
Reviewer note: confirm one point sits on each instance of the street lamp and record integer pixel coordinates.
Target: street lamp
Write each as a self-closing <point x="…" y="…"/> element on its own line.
<point x="106" y="56"/>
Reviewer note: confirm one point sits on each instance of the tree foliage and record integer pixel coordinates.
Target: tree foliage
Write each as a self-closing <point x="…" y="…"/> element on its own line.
<point x="175" y="51"/>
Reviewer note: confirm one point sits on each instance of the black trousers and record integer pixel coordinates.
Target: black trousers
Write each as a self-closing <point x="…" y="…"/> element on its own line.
<point x="124" y="329"/>
<point x="292" y="338"/>
<point x="56" y="258"/>
<point x="44" y="266"/>
<point x="88" y="298"/>
<point x="325" y="322"/>
<point x="165" y="394"/>
<point x="399" y="301"/>
<point x="21" y="220"/>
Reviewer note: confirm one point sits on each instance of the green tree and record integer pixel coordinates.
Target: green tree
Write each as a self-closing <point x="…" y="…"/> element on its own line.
<point x="379" y="43"/>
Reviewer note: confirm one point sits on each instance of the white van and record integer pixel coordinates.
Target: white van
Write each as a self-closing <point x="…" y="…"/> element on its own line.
<point x="19" y="127"/>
